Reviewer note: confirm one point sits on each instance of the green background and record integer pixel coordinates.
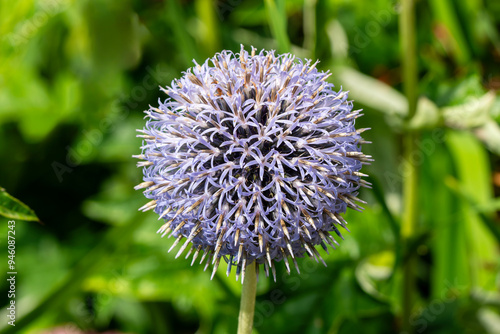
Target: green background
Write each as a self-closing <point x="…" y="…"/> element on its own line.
<point x="75" y="77"/>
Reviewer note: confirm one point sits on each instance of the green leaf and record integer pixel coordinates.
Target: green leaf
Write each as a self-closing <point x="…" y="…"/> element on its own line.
<point x="13" y="208"/>
<point x="427" y="115"/>
<point x="448" y="242"/>
<point x="445" y="15"/>
<point x="85" y="267"/>
<point x="372" y="92"/>
<point x="339" y="42"/>
<point x="185" y="41"/>
<point x="489" y="319"/>
<point x="475" y="112"/>
<point x="489" y="133"/>
<point x="373" y="271"/>
<point x="474" y="175"/>
<point x="482" y="210"/>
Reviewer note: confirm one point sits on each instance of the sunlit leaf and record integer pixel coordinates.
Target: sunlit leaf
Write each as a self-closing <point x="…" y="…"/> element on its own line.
<point x="427" y="115"/>
<point x="13" y="208"/>
<point x="375" y="271"/>
<point x="473" y="113"/>
<point x="489" y="133"/>
<point x="372" y="92"/>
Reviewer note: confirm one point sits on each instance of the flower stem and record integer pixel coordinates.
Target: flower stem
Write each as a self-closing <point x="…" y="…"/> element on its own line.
<point x="410" y="177"/>
<point x="247" y="305"/>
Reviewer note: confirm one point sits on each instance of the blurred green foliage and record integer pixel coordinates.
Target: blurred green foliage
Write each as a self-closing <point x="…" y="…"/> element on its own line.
<point x="75" y="77"/>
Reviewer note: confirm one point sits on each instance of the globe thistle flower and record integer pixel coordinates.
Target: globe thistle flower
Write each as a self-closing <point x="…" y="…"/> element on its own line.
<point x="253" y="157"/>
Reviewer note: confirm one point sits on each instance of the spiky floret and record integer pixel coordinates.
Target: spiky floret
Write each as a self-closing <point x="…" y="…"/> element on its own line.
<point x="252" y="158"/>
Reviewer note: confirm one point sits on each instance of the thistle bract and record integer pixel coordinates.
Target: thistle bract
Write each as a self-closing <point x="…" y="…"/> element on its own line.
<point x="253" y="157"/>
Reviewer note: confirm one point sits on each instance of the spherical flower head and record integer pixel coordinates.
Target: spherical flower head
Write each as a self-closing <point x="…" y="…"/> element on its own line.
<point x="253" y="157"/>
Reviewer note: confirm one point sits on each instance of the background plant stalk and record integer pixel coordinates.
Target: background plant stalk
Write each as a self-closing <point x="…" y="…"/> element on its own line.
<point x="407" y="35"/>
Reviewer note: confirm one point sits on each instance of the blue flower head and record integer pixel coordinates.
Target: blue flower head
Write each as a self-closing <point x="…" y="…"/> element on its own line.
<point x="253" y="157"/>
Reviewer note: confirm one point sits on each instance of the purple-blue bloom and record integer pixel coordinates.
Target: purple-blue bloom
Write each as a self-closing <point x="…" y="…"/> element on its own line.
<point x="253" y="157"/>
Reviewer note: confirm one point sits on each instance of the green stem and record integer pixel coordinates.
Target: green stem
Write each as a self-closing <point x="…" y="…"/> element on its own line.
<point x="410" y="178"/>
<point x="407" y="37"/>
<point x="247" y="305"/>
<point x="208" y="31"/>
<point x="310" y="27"/>
<point x="276" y="13"/>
